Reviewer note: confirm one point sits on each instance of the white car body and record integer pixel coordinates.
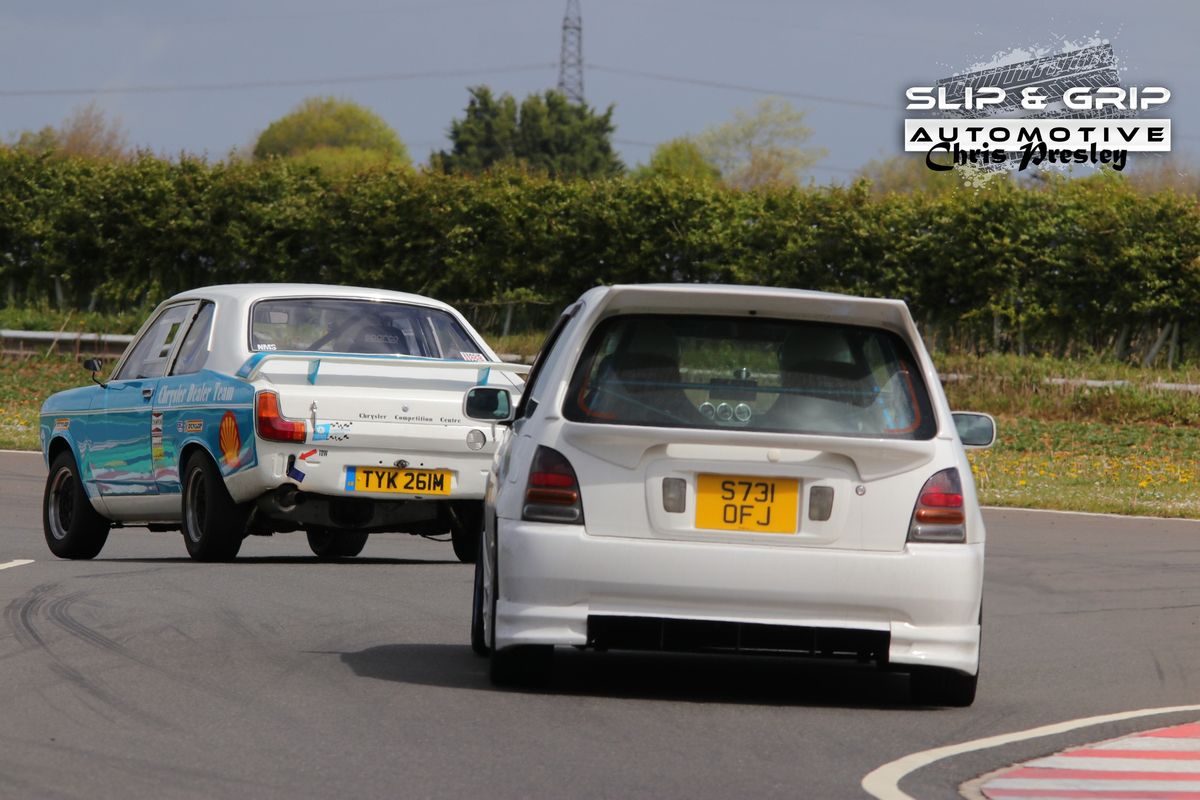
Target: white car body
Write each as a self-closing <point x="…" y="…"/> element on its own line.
<point x="853" y="583"/>
<point x="382" y="409"/>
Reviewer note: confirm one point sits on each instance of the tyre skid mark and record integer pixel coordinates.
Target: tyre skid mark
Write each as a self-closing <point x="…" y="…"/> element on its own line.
<point x="21" y="614"/>
<point x="40" y="602"/>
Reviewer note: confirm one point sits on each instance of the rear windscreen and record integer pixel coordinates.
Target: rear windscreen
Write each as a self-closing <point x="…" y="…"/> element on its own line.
<point x="750" y="374"/>
<point x="338" y="325"/>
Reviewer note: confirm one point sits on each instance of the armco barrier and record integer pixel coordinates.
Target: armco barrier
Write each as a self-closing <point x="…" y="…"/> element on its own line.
<point x="80" y="345"/>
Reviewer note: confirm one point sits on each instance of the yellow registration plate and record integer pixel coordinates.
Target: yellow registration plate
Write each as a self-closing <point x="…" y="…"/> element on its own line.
<point x="746" y="503"/>
<point x="397" y="481"/>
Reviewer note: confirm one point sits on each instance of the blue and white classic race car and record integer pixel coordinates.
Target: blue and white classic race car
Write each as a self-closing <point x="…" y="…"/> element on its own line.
<point x="271" y="408"/>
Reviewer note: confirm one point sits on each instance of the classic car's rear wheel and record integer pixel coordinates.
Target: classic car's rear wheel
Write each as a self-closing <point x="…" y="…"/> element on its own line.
<point x="213" y="525"/>
<point x="73" y="528"/>
<point x="329" y="544"/>
<point x="466" y="526"/>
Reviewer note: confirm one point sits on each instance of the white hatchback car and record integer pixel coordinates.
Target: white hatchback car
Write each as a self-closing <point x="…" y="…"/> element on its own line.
<point x="735" y="469"/>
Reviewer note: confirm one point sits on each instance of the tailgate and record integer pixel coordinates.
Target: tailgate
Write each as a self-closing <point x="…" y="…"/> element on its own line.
<point x="782" y="490"/>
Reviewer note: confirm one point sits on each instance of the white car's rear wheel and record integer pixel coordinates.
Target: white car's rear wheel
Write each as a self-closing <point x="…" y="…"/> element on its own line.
<point x="213" y="525"/>
<point x="522" y="665"/>
<point x="516" y="665"/>
<point x="330" y="544"/>
<point x="937" y="686"/>
<point x="479" y="609"/>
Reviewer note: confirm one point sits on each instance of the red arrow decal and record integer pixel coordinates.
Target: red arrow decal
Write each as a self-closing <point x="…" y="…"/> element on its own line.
<point x="305" y="456"/>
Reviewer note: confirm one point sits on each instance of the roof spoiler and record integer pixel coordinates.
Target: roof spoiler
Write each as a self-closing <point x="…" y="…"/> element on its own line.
<point x="255" y="364"/>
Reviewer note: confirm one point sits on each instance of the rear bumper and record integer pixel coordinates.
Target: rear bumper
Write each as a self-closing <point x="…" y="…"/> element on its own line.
<point x="926" y="599"/>
<point x="318" y="469"/>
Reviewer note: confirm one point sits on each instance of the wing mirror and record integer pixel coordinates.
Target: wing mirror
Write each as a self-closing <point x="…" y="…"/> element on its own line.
<point x="974" y="429"/>
<point x="488" y="403"/>
<point x="94" y="365"/>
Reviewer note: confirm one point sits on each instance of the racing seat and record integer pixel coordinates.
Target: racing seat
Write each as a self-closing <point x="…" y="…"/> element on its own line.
<point x="825" y="388"/>
<point x="642" y="377"/>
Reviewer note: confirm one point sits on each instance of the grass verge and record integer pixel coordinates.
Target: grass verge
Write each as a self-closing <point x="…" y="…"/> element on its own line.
<point x="1140" y="468"/>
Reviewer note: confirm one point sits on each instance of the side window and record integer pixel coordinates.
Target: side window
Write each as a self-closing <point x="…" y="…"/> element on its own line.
<point x="452" y="339"/>
<point x="528" y="405"/>
<point x="194" y="349"/>
<point x="153" y="350"/>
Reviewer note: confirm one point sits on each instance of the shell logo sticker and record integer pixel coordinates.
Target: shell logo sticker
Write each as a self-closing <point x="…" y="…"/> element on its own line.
<point x="230" y="440"/>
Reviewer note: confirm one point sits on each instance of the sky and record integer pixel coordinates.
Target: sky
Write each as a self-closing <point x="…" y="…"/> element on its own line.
<point x="205" y="78"/>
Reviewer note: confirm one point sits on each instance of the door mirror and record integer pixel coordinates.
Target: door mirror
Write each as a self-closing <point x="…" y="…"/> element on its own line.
<point x="488" y="403"/>
<point x="94" y="365"/>
<point x="974" y="429"/>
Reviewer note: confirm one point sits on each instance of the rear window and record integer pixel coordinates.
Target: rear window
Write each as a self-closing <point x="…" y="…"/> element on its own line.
<point x="334" y="325"/>
<point x="750" y="374"/>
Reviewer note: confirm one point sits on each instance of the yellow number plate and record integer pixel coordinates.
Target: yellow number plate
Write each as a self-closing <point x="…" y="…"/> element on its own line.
<point x="397" y="481"/>
<point x="746" y="503"/>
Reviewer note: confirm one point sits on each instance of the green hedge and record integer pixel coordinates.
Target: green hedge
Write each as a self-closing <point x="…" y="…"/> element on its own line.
<point x="1067" y="266"/>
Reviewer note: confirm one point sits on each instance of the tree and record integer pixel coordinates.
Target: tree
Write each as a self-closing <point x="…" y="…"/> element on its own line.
<point x="86" y="133"/>
<point x="546" y="133"/>
<point x="329" y="124"/>
<point x="679" y="159"/>
<point x="760" y="147"/>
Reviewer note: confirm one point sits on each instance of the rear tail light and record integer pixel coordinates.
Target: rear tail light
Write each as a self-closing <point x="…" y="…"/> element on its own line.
<point x="939" y="515"/>
<point x="552" y="494"/>
<point x="271" y="424"/>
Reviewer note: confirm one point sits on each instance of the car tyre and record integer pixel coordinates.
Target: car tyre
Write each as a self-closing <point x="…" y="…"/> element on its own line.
<point x="466" y="526"/>
<point x="330" y="544"/>
<point x="522" y="665"/>
<point x="73" y="528"/>
<point x="938" y="686"/>
<point x="213" y="524"/>
<point x="479" y="642"/>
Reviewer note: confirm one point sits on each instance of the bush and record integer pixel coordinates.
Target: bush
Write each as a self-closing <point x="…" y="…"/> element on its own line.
<point x="1075" y="267"/>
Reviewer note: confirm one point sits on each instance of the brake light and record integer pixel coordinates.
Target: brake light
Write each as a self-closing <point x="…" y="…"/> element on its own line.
<point x="271" y="424"/>
<point x="939" y="515"/>
<point x="552" y="493"/>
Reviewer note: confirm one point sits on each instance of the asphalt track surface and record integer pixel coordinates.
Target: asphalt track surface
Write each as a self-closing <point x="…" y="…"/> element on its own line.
<point x="144" y="675"/>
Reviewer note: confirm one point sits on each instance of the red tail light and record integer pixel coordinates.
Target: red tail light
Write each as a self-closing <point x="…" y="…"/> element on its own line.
<point x="939" y="515"/>
<point x="272" y="425"/>
<point x="552" y="494"/>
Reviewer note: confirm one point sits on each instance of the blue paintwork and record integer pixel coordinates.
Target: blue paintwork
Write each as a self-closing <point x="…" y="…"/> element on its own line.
<point x="127" y="437"/>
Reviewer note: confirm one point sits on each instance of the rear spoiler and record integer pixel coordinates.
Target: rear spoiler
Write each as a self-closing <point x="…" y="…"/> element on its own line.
<point x="626" y="445"/>
<point x="255" y="364"/>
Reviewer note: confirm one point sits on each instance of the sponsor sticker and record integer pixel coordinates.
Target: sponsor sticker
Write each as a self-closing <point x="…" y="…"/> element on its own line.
<point x="62" y="423"/>
<point x="156" y="435"/>
<point x="230" y="440"/>
<point x="331" y="431"/>
<point x="472" y="357"/>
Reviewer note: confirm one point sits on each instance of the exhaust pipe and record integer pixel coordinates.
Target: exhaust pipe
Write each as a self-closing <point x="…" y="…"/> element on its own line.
<point x="286" y="499"/>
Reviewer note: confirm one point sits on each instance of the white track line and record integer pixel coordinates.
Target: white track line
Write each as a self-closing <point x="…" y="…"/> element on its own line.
<point x="1089" y="514"/>
<point x="20" y="562"/>
<point x="884" y="782"/>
